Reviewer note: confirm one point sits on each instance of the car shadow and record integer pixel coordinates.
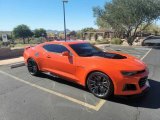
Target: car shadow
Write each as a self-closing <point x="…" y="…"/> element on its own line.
<point x="157" y="47"/>
<point x="62" y="81"/>
<point x="151" y="99"/>
<point x="153" y="47"/>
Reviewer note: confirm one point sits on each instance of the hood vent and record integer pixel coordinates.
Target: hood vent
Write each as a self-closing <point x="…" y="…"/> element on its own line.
<point x="111" y="55"/>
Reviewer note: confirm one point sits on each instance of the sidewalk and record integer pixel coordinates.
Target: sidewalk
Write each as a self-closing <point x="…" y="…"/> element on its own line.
<point x="10" y="61"/>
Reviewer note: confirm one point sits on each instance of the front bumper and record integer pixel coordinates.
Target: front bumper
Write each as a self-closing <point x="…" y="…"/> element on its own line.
<point x="132" y="85"/>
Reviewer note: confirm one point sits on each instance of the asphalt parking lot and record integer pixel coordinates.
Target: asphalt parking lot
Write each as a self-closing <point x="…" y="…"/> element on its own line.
<point x="138" y="52"/>
<point x="25" y="97"/>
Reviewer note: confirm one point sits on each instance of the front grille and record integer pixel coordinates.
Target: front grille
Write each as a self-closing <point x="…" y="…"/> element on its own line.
<point x="128" y="87"/>
<point x="142" y="82"/>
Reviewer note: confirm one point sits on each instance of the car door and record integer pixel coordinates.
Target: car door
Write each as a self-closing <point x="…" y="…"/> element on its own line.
<point x="62" y="65"/>
<point x="43" y="57"/>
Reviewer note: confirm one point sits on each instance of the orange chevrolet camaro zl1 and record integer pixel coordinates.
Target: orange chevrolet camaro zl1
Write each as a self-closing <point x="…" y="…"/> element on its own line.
<point x="103" y="73"/>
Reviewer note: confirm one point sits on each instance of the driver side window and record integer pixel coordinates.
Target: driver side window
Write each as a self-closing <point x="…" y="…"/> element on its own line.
<point x="55" y="48"/>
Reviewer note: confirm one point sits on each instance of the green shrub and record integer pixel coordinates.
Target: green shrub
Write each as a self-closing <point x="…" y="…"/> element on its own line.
<point x="34" y="41"/>
<point x="116" y="41"/>
<point x="105" y="41"/>
<point x="92" y="42"/>
<point x="18" y="41"/>
<point x="37" y="40"/>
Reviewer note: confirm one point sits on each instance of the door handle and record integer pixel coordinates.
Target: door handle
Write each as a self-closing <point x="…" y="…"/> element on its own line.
<point x="48" y="56"/>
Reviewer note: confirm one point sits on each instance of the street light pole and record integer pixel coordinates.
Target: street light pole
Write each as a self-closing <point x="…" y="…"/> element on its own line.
<point x="64" y="1"/>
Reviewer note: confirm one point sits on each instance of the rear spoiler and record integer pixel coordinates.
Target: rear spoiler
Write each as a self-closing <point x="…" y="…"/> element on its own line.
<point x="27" y="47"/>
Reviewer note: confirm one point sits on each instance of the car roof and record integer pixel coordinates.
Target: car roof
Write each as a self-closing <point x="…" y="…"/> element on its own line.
<point x="68" y="42"/>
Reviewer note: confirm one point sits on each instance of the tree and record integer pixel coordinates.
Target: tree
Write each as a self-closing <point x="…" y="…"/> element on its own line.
<point x="102" y="24"/>
<point x="128" y="15"/>
<point x="22" y="31"/>
<point x="40" y="32"/>
<point x="88" y="29"/>
<point x="61" y="35"/>
<point x="153" y="29"/>
<point x="72" y="35"/>
<point x="79" y="35"/>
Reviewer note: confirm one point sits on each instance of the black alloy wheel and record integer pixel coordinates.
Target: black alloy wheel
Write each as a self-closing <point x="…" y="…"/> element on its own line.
<point x="100" y="85"/>
<point x="32" y="67"/>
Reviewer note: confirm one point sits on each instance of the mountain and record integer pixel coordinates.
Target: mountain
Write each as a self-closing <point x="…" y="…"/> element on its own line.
<point x="57" y="31"/>
<point x="48" y="31"/>
<point x="6" y="32"/>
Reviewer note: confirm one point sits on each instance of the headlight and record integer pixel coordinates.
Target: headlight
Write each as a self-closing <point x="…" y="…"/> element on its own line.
<point x="128" y="73"/>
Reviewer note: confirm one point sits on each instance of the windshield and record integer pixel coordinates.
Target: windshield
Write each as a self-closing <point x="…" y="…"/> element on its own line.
<point x="85" y="49"/>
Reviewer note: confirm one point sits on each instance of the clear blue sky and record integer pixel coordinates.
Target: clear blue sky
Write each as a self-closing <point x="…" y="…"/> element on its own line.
<point x="47" y="14"/>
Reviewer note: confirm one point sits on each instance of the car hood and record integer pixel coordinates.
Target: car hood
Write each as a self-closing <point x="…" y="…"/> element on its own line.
<point x="121" y="61"/>
<point x="110" y="55"/>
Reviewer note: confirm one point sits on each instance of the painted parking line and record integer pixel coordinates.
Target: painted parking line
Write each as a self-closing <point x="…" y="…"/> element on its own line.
<point x="146" y="54"/>
<point x="137" y="52"/>
<point x="138" y="55"/>
<point x="93" y="107"/>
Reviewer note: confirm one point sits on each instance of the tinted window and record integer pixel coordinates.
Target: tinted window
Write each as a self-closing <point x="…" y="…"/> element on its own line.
<point x="55" y="48"/>
<point x="85" y="49"/>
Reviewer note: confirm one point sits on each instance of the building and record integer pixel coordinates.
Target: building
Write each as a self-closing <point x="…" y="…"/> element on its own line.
<point x="98" y="35"/>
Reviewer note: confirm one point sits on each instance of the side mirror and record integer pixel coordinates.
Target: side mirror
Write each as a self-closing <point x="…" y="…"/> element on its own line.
<point x="65" y="53"/>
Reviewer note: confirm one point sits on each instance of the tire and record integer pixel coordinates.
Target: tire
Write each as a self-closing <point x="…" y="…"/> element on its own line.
<point x="100" y="85"/>
<point x="32" y="67"/>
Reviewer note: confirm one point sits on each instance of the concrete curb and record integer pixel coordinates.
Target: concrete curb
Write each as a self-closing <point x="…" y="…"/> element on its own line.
<point x="11" y="61"/>
<point x="16" y="65"/>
